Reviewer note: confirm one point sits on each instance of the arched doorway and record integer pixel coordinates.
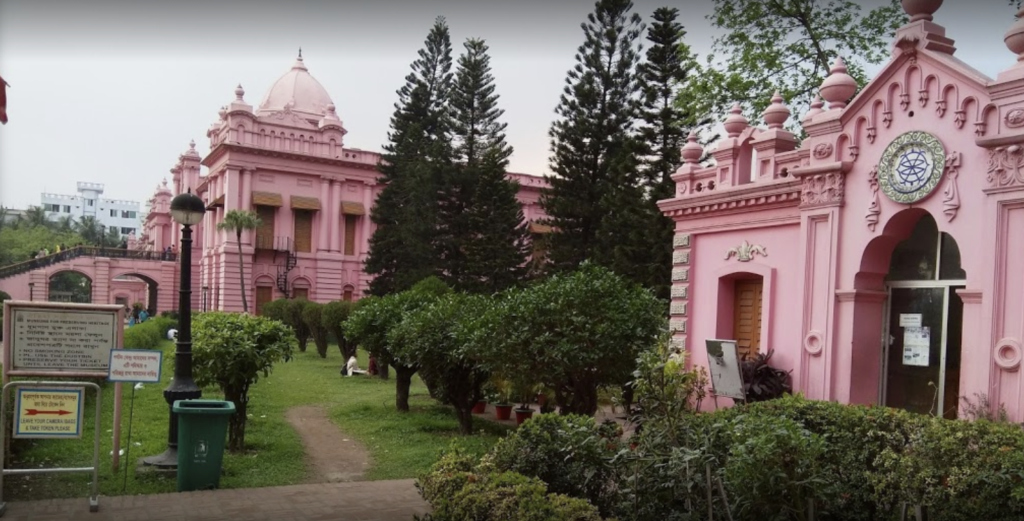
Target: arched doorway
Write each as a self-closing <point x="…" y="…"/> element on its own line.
<point x="151" y="291"/>
<point x="924" y="323"/>
<point x="70" y="286"/>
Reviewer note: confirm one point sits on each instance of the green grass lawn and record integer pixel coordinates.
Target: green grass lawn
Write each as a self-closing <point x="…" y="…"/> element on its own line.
<point x="400" y="445"/>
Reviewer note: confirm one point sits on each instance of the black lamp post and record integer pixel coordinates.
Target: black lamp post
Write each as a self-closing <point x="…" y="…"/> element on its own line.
<point x="31" y="291"/>
<point x="187" y="210"/>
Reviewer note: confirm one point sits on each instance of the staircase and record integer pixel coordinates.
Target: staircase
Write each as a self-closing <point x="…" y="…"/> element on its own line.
<point x="83" y="251"/>
<point x="283" y="245"/>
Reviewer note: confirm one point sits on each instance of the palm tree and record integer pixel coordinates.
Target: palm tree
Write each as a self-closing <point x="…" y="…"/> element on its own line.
<point x="36" y="216"/>
<point x="66" y="224"/>
<point x="238" y="220"/>
<point x="91" y="230"/>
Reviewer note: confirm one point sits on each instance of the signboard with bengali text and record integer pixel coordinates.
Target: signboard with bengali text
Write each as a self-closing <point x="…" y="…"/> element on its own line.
<point x="49" y="412"/>
<point x="62" y="339"/>
<point x="135" y="365"/>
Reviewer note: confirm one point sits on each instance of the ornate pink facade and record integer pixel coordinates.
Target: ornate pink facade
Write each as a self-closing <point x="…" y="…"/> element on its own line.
<point x="287" y="161"/>
<point x="881" y="257"/>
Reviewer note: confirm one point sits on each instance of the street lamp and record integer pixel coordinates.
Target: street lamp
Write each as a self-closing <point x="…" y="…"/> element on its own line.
<point x="31" y="291"/>
<point x="187" y="210"/>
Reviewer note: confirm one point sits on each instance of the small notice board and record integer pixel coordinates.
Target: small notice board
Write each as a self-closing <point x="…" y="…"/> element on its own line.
<point x="135" y="365"/>
<point x="724" y="366"/>
<point x="56" y="339"/>
<point x="49" y="412"/>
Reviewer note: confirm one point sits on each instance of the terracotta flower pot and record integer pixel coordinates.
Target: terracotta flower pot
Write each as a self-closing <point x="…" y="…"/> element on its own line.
<point x="523" y="415"/>
<point x="480" y="407"/>
<point x="503" y="412"/>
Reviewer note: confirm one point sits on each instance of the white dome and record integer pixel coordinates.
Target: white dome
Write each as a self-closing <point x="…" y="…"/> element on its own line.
<point x="299" y="89"/>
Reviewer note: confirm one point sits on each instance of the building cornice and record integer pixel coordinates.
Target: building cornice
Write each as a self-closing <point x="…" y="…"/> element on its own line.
<point x="736" y="199"/>
<point x="224" y="148"/>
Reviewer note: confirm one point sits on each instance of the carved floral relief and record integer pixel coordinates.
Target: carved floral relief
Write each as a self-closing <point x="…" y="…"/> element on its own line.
<point x="1004" y="166"/>
<point x="1015" y="118"/>
<point x="823" y="150"/>
<point x="951" y="195"/>
<point x="745" y="252"/>
<point x="822" y="189"/>
<point x="874" y="209"/>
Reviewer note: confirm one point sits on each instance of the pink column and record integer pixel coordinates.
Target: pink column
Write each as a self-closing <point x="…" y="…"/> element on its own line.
<point x="335" y="215"/>
<point x="323" y="240"/>
<point x="364" y="240"/>
<point x="246" y="202"/>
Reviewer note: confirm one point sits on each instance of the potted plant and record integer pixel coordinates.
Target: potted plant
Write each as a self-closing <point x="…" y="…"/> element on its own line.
<point x="501" y="403"/>
<point x="488" y="393"/>
<point x="762" y="382"/>
<point x="526" y="393"/>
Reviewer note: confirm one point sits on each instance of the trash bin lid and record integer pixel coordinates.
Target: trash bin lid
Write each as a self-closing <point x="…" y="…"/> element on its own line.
<point x="215" y="407"/>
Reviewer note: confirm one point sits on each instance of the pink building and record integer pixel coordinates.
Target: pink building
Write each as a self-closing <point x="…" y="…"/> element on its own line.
<point x="881" y="258"/>
<point x="287" y="161"/>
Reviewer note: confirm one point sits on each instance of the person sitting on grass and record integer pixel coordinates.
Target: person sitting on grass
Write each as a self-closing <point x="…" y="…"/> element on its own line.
<point x="352" y="367"/>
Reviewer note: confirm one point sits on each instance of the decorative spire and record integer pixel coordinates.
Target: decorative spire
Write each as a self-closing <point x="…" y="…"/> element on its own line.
<point x="239" y="92"/>
<point x="839" y="87"/>
<point x="223" y="113"/>
<point x="191" y="144"/>
<point x="1014" y="38"/>
<point x="735" y="123"/>
<point x="300" y="53"/>
<point x="921" y="9"/>
<point x="777" y="113"/>
<point x="692" y="150"/>
<point x="816" y="107"/>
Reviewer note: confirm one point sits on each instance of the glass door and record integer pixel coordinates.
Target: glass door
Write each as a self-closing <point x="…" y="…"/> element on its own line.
<point x="923" y="358"/>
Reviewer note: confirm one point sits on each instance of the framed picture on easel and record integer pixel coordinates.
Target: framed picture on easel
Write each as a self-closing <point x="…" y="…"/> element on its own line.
<point x="724" y="366"/>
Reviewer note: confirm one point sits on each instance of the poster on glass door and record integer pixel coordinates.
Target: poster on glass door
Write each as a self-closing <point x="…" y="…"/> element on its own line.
<point x="916" y="345"/>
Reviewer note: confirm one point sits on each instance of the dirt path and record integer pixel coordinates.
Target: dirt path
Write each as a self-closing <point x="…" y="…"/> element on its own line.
<point x="333" y="456"/>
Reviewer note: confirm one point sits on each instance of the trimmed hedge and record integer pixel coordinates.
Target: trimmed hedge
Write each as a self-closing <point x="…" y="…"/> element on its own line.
<point x="148" y="334"/>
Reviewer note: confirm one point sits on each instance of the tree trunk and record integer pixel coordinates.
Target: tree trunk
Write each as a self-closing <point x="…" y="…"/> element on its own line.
<point x="382" y="370"/>
<point x="236" y="424"/>
<point x="241" y="270"/>
<point x="465" y="416"/>
<point x="403" y="381"/>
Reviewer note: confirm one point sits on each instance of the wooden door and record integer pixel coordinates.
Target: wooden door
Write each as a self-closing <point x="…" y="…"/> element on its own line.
<point x="303" y="230"/>
<point x="747" y="317"/>
<point x="350" y="234"/>
<point x="265" y="231"/>
<point x="302" y="293"/>
<point x="264" y="294"/>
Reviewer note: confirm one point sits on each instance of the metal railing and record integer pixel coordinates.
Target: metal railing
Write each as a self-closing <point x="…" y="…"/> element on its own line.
<point x="84" y="251"/>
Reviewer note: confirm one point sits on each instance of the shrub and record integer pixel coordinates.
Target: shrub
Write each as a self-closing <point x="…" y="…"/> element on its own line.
<point x="762" y="382"/>
<point x="173" y="315"/>
<point x="275" y="310"/>
<point x="334" y="316"/>
<point x="148" y="334"/>
<point x="456" y="492"/>
<point x="292" y="317"/>
<point x="232" y="350"/>
<point x="312" y="316"/>
<point x="571" y="453"/>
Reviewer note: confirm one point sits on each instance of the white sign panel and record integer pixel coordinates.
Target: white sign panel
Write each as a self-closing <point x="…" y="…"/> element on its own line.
<point x="62" y="339"/>
<point x="724" y="366"/>
<point x="916" y="346"/>
<point x="135" y="365"/>
<point x="910" y="320"/>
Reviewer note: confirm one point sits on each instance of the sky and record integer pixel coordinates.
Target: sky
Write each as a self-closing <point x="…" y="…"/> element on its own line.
<point x="111" y="91"/>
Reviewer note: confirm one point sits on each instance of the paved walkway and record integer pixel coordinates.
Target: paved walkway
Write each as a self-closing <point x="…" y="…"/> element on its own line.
<point x="352" y="501"/>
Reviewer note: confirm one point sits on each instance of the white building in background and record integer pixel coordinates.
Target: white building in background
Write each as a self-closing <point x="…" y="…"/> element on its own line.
<point x="124" y="216"/>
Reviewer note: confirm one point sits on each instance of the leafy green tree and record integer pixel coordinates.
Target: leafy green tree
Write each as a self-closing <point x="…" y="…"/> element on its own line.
<point x="788" y="46"/>
<point x="90" y="229"/>
<point x="232" y="350"/>
<point x="334" y="315"/>
<point x="292" y="317"/>
<point x="65" y="224"/>
<point x="574" y="349"/>
<point x="112" y="238"/>
<point x="21" y="243"/>
<point x="402" y="249"/>
<point x="312" y="315"/>
<point x="594" y="146"/>
<point x="238" y="221"/>
<point x="482" y="238"/>
<point x="666" y="71"/>
<point x="438" y="336"/>
<point x="36" y="216"/>
<point x="375" y="317"/>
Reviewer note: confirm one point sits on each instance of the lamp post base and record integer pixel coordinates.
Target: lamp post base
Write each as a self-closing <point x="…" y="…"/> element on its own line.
<point x="167" y="460"/>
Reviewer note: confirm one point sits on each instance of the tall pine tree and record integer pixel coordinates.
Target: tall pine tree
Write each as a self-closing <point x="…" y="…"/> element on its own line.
<point x="595" y="190"/>
<point x="665" y="72"/>
<point x="402" y="249"/>
<point x="482" y="238"/>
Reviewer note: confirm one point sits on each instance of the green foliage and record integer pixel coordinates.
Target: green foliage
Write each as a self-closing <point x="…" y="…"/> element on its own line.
<point x="596" y="197"/>
<point x="238" y="221"/>
<point x="371" y="323"/>
<point x="333" y="317"/>
<point x="544" y="334"/>
<point x="173" y="315"/>
<point x="439" y="338"/>
<point x="482" y="239"/>
<point x="23" y="242"/>
<point x="276" y="310"/>
<point x="456" y="492"/>
<point x="292" y="317"/>
<point x="148" y="334"/>
<point x="402" y="249"/>
<point x="232" y="350"/>
<point x="787" y="47"/>
<point x="571" y="453"/>
<point x="763" y="382"/>
<point x="312" y="315"/>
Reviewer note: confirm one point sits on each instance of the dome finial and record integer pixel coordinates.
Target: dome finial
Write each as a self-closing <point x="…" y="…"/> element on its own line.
<point x="239" y="92"/>
<point x="921" y="9"/>
<point x="839" y="86"/>
<point x="1014" y="38"/>
<point x="192" y="144"/>
<point x="692" y="150"/>
<point x="300" y="53"/>
<point x="735" y="123"/>
<point x="777" y="113"/>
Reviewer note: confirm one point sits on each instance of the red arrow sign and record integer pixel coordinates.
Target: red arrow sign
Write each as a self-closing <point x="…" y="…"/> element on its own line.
<point x="33" y="412"/>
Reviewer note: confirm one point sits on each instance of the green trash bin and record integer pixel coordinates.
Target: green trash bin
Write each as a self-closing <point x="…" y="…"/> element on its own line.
<point x="202" y="430"/>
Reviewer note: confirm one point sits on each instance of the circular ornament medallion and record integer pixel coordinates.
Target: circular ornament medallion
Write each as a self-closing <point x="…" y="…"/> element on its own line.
<point x="911" y="167"/>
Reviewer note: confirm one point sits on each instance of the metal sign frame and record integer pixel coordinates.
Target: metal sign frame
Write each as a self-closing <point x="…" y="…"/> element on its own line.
<point x="94" y="498"/>
<point x="723" y="357"/>
<point x="79" y="416"/>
